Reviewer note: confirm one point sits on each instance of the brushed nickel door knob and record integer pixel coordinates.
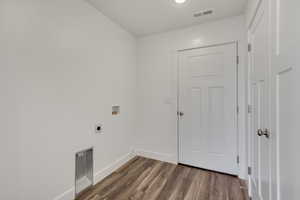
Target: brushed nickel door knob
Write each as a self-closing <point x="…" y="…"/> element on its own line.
<point x="260" y="132"/>
<point x="266" y="133"/>
<point x="180" y="113"/>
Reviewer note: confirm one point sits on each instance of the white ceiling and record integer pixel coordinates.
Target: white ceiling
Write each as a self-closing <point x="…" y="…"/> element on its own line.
<point x="143" y="17"/>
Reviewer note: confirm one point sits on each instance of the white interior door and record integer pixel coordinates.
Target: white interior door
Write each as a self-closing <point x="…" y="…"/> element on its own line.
<point x="260" y="118"/>
<point x="208" y="106"/>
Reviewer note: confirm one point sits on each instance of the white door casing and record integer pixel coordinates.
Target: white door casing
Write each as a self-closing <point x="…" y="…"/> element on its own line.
<point x="208" y="102"/>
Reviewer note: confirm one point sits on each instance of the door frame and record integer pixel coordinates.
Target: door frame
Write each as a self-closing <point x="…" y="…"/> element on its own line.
<point x="252" y="17"/>
<point x="237" y="102"/>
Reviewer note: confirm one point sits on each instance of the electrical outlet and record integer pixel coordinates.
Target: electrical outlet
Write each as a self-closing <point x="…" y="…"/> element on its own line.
<point x="99" y="128"/>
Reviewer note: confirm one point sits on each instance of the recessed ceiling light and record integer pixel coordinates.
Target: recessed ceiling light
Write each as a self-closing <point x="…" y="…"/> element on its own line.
<point x="180" y="1"/>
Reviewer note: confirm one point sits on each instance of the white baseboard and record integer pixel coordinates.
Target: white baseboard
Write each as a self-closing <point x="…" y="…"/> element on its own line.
<point x="67" y="195"/>
<point x="98" y="176"/>
<point x="157" y="156"/>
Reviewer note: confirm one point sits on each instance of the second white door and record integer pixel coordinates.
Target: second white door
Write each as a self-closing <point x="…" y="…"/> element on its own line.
<point x="208" y="108"/>
<point x="260" y="101"/>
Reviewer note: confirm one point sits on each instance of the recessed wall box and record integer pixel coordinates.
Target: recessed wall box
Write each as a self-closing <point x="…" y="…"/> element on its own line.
<point x="115" y="110"/>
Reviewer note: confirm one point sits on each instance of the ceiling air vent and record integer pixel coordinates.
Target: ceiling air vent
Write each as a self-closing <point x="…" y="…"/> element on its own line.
<point x="203" y="13"/>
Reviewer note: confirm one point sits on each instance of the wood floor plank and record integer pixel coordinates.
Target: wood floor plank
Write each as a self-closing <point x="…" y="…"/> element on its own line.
<point x="198" y="189"/>
<point x="124" y="183"/>
<point x="159" y="182"/>
<point x="148" y="179"/>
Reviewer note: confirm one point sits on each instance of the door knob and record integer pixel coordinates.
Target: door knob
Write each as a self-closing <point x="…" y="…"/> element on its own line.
<point x="260" y="132"/>
<point x="264" y="132"/>
<point x="180" y="113"/>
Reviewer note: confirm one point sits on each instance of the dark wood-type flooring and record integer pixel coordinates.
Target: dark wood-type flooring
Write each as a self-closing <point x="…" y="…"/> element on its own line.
<point x="147" y="179"/>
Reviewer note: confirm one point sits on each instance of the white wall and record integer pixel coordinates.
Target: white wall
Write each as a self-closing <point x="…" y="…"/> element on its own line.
<point x="63" y="65"/>
<point x="9" y="136"/>
<point x="156" y="133"/>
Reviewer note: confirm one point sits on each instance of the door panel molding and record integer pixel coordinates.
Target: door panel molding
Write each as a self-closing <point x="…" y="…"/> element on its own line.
<point x="283" y="139"/>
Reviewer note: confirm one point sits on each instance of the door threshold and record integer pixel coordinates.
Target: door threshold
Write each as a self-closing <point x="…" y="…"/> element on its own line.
<point x="208" y="170"/>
